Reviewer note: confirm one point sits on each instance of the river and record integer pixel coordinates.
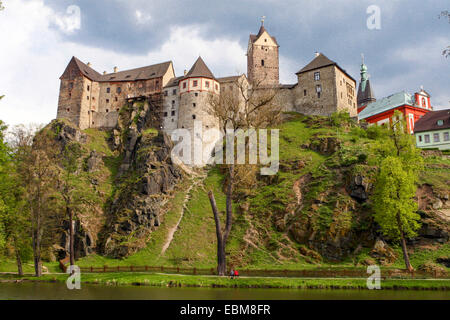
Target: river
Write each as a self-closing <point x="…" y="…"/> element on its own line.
<point x="57" y="291"/>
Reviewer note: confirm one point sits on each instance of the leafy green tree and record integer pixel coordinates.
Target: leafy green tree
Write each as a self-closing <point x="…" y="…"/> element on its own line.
<point x="13" y="218"/>
<point x="400" y="163"/>
<point x="394" y="205"/>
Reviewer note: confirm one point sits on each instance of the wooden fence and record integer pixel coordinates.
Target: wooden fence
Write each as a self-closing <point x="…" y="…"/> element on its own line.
<point x="316" y="273"/>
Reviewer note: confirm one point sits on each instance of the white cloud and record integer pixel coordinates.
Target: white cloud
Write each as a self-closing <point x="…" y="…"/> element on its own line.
<point x="70" y="22"/>
<point x="142" y="18"/>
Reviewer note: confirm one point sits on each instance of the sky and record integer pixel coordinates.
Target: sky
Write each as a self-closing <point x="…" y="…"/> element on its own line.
<point x="402" y="45"/>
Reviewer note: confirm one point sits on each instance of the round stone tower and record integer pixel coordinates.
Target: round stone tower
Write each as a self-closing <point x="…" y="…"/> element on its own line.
<point x="195" y="90"/>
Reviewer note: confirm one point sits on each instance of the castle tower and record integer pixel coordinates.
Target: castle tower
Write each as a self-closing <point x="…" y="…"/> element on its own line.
<point x="365" y="92"/>
<point x="195" y="88"/>
<point x="262" y="58"/>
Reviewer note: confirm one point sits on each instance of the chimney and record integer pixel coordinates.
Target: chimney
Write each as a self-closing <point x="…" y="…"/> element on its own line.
<point x="89" y="64"/>
<point x="316" y="54"/>
<point x="115" y="69"/>
<point x="104" y="72"/>
<point x="185" y="71"/>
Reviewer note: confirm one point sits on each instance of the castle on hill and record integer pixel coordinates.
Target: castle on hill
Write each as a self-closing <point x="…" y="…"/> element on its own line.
<point x="93" y="100"/>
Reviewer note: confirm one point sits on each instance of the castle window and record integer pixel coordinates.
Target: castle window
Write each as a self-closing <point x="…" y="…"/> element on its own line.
<point x="70" y="94"/>
<point x="115" y="98"/>
<point x="68" y="109"/>
<point x="88" y="88"/>
<point x="318" y="95"/>
<point x="166" y="93"/>
<point x="93" y="122"/>
<point x="193" y="116"/>
<point x="157" y="84"/>
<point x="119" y="90"/>
<point x="173" y="102"/>
<point x="172" y="113"/>
<point x="196" y="94"/>
<point x="93" y="98"/>
<point x="108" y="90"/>
<point x="316" y="76"/>
<point x="217" y="87"/>
<point x="184" y="85"/>
<point x="304" y="93"/>
<point x="195" y="83"/>
<point x="207" y="84"/>
<point x="107" y="110"/>
<point x="265" y="40"/>
<point x="194" y="105"/>
<point x="262" y="63"/>
<point x="165" y="114"/>
<point x="174" y="92"/>
<point x="71" y="85"/>
<point x="117" y="109"/>
<point x="87" y="98"/>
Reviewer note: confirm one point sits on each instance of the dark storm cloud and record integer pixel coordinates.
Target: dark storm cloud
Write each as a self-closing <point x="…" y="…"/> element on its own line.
<point x="336" y="28"/>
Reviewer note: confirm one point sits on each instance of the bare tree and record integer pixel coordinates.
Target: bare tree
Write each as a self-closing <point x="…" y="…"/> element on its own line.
<point x="446" y="14"/>
<point x="241" y="107"/>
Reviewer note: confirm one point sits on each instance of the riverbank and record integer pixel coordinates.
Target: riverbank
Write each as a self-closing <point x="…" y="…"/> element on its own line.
<point x="169" y="280"/>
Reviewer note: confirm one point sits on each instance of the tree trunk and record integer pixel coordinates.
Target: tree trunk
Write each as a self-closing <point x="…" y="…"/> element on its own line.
<point x="71" y="237"/>
<point x="19" y="263"/>
<point x="221" y="258"/>
<point x="405" y="254"/>
<point x="18" y="259"/>
<point x="37" y="247"/>
<point x="403" y="242"/>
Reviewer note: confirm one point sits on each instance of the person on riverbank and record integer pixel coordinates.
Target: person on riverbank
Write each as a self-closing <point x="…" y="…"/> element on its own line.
<point x="231" y="274"/>
<point x="236" y="274"/>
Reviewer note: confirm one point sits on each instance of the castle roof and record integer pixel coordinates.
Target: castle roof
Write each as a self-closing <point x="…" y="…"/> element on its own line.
<point x="199" y="69"/>
<point x="322" y="61"/>
<point x="143" y="73"/>
<point x="430" y="121"/>
<point x="365" y="92"/>
<point x="173" y="82"/>
<point x="388" y="103"/>
<point x="85" y="70"/>
<point x="254" y="37"/>
<point x="230" y="78"/>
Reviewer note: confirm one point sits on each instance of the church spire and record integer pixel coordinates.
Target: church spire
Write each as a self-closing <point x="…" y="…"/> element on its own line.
<point x="365" y="92"/>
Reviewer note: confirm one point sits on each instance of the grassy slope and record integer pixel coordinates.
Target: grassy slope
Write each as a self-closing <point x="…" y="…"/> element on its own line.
<point x="194" y="242"/>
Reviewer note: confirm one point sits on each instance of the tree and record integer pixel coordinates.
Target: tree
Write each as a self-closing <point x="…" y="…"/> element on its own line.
<point x="72" y="189"/>
<point x="446" y="14"/>
<point x="36" y="165"/>
<point x="400" y="163"/>
<point x="394" y="206"/>
<point x="240" y="108"/>
<point x="13" y="217"/>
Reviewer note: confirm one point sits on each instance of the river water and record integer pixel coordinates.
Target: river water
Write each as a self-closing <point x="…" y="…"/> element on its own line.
<point x="57" y="291"/>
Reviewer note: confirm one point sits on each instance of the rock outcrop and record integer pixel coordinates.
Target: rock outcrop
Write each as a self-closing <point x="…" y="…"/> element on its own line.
<point x="146" y="177"/>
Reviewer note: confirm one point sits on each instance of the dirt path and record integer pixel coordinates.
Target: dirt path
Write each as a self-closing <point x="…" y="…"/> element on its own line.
<point x="196" y="180"/>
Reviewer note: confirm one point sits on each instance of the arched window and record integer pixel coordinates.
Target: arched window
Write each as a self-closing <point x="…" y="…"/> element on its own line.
<point x="424" y="102"/>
